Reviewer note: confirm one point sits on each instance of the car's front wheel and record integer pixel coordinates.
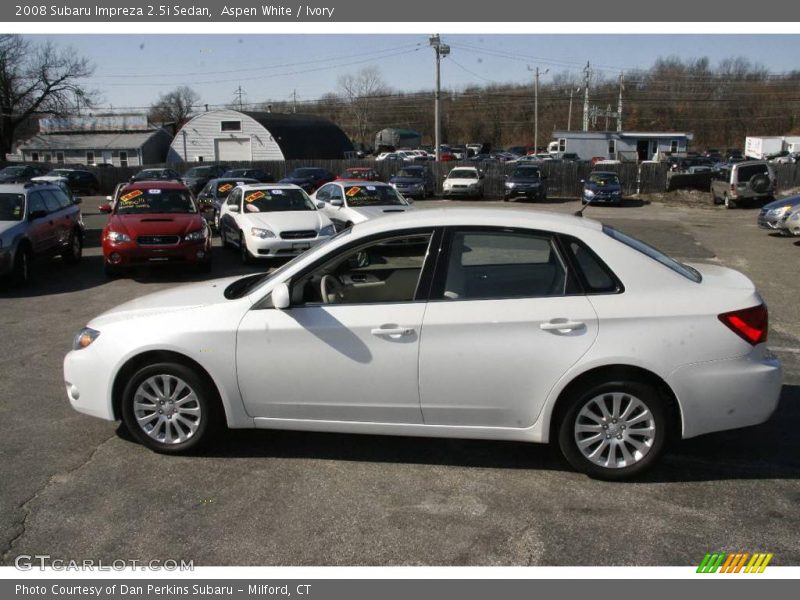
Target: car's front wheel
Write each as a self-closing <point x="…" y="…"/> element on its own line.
<point x="614" y="430"/>
<point x="74" y="251"/>
<point x="170" y="408"/>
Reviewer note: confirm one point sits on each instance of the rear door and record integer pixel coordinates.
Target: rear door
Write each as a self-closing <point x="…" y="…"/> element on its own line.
<point x="41" y="231"/>
<point x="505" y="321"/>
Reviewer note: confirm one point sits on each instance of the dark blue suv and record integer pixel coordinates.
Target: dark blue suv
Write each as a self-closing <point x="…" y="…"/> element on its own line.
<point x="602" y="187"/>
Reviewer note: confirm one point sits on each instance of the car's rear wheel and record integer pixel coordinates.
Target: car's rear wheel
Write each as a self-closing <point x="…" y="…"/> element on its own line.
<point x="74" y="251"/>
<point x="614" y="430"/>
<point x="169" y="408"/>
<point x="21" y="273"/>
<point x="729" y="204"/>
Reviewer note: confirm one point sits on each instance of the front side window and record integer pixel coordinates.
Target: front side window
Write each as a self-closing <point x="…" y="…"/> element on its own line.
<point x="502" y="264"/>
<point x="155" y="200"/>
<point x="36" y="203"/>
<point x="324" y="193"/>
<point x="384" y="271"/>
<point x="234" y="197"/>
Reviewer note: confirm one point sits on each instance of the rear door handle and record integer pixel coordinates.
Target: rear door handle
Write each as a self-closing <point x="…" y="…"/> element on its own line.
<point x="392" y="331"/>
<point x="562" y="325"/>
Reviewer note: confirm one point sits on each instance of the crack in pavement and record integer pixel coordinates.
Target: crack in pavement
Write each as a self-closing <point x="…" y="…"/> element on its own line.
<point x="23" y="525"/>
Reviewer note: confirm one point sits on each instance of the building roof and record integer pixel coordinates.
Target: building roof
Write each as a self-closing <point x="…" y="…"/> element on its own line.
<point x="125" y="140"/>
<point x="304" y="136"/>
<point x="622" y="134"/>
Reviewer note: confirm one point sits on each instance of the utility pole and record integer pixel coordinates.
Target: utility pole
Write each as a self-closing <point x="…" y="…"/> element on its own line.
<point x="536" y="105"/>
<point x="619" y="102"/>
<point x="569" y="114"/>
<point x="587" y="76"/>
<point x="608" y="114"/>
<point x="239" y="93"/>
<point x="294" y="101"/>
<point x="441" y="51"/>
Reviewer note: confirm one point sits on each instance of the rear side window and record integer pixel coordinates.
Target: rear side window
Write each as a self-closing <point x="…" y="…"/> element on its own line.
<point x="502" y="264"/>
<point x="596" y="277"/>
<point x="50" y="201"/>
<point x="688" y="272"/>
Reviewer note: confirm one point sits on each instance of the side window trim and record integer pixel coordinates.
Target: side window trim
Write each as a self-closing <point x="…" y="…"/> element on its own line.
<point x="563" y="240"/>
<point x="439" y="281"/>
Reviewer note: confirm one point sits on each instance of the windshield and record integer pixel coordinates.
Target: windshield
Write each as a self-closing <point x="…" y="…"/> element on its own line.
<point x="199" y="172"/>
<point x="303" y="173"/>
<point x="277" y="200"/>
<point x="12" y="207"/>
<point x="531" y="173"/>
<point x="604" y="179"/>
<point x="372" y="195"/>
<point x="155" y="201"/>
<point x="410" y="173"/>
<point x="245" y="285"/>
<point x="462" y="174"/>
<point x="12" y="171"/>
<point x="59" y="173"/>
<point x="657" y="255"/>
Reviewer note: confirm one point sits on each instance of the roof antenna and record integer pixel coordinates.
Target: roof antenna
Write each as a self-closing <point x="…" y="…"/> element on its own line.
<point x="579" y="213"/>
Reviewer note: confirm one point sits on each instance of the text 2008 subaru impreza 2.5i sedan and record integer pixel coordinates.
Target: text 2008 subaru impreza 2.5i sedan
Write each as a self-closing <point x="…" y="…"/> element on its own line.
<point x="473" y="323"/>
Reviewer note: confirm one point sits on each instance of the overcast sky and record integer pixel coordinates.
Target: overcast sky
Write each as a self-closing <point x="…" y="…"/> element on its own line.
<point x="131" y="70"/>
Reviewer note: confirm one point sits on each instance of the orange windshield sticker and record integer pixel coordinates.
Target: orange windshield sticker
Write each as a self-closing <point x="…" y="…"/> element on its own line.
<point x="131" y="195"/>
<point x="224" y="187"/>
<point x="254" y="196"/>
<point x="353" y="191"/>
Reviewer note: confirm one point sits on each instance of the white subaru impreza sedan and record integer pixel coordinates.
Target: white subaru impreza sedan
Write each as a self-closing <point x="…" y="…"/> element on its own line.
<point x="473" y="323"/>
<point x="271" y="220"/>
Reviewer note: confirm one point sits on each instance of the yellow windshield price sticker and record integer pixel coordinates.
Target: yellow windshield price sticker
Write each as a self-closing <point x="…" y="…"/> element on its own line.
<point x="254" y="196"/>
<point x="224" y="187"/>
<point x="353" y="191"/>
<point x="131" y="195"/>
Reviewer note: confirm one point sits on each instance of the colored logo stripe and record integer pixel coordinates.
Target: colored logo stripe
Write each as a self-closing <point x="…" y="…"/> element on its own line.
<point x="733" y="563"/>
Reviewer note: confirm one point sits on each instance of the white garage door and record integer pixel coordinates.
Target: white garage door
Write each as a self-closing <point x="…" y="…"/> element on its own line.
<point x="233" y="149"/>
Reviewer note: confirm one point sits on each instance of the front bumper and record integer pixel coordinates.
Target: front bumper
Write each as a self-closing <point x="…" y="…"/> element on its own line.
<point x="766" y="221"/>
<point x="131" y="254"/>
<point x="603" y="198"/>
<point x="88" y="391"/>
<point x="464" y="192"/>
<point x="728" y="394"/>
<point x="412" y="191"/>
<point x="517" y="192"/>
<point x="277" y="247"/>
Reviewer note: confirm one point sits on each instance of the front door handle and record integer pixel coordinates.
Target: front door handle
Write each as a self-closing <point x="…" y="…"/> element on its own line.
<point x="392" y="331"/>
<point x="562" y="325"/>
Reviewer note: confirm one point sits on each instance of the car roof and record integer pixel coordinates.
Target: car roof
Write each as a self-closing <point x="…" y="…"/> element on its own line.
<point x="360" y="182"/>
<point x="358" y="169"/>
<point x="603" y="173"/>
<point x="156" y="185"/>
<point x="478" y="216"/>
<point x="7" y="188"/>
<point x="270" y="186"/>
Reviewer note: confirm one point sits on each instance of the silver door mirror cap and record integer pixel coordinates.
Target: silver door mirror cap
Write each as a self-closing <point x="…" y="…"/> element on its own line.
<point x="280" y="296"/>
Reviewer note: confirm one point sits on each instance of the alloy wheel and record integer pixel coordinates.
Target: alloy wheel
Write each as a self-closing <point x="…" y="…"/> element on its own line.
<point x="167" y="409"/>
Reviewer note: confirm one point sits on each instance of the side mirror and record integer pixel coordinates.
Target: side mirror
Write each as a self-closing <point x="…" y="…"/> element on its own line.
<point x="77" y="200"/>
<point x="320" y="204"/>
<point x="280" y="296"/>
<point x="105" y="208"/>
<point x="233" y="208"/>
<point x="337" y="202"/>
<point x="37" y="214"/>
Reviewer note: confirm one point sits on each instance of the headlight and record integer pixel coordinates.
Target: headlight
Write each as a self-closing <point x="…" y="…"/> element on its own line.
<point x="510" y="185"/>
<point x="264" y="234"/>
<point x="588" y="193"/>
<point x="777" y="212"/>
<point x="84" y="338"/>
<point x="327" y="230"/>
<point x="117" y="237"/>
<point x="196" y="236"/>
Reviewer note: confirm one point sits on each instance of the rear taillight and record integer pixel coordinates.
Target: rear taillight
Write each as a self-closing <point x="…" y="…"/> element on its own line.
<point x="750" y="324"/>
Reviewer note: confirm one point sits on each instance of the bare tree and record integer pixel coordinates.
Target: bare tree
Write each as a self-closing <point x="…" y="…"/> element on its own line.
<point x="361" y="92"/>
<point x="38" y="79"/>
<point x="173" y="108"/>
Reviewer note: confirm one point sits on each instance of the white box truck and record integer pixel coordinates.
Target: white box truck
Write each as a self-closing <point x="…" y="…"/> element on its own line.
<point x="760" y="148"/>
<point x="791" y="143"/>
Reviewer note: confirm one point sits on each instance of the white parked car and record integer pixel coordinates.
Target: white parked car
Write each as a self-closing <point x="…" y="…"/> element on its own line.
<point x="474" y="323"/>
<point x="271" y="221"/>
<point x="350" y="201"/>
<point x="463" y="181"/>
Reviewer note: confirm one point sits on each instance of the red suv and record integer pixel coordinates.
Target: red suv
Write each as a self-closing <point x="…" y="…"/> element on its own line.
<point x="155" y="222"/>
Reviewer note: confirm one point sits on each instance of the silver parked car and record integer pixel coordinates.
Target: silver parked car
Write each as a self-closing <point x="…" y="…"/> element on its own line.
<point x="791" y="225"/>
<point x="775" y="215"/>
<point x="743" y="182"/>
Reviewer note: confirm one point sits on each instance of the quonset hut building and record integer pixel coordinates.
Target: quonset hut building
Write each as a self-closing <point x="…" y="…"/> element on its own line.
<point x="234" y="136"/>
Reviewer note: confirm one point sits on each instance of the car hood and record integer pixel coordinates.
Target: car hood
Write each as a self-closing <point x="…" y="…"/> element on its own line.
<point x="370" y="212"/>
<point x="407" y="180"/>
<point x="10" y="227"/>
<point x="611" y="187"/>
<point x="791" y="201"/>
<point x="297" y="180"/>
<point x="156" y="224"/>
<point x="193" y="295"/>
<point x="288" y="220"/>
<point x="459" y="181"/>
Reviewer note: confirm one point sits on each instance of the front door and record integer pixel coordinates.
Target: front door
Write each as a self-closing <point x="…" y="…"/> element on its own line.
<point x="502" y="327"/>
<point x="348" y="347"/>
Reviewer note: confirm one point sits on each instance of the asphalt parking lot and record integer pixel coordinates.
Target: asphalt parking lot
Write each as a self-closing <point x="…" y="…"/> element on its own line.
<point x="75" y="487"/>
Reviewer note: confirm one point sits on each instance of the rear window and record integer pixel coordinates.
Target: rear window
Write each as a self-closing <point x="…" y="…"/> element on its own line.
<point x="745" y="173"/>
<point x="685" y="270"/>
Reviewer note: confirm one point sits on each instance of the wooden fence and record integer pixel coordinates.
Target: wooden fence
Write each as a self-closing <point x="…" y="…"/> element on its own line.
<point x="563" y="179"/>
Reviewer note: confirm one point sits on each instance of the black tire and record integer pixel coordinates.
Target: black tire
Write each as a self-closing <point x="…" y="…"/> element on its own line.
<point x="211" y="416"/>
<point x="223" y="238"/>
<point x="111" y="271"/>
<point x="759" y="183"/>
<point x="729" y="204"/>
<point x="72" y="255"/>
<point x="244" y="253"/>
<point x="21" y="271"/>
<point x="644" y="393"/>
